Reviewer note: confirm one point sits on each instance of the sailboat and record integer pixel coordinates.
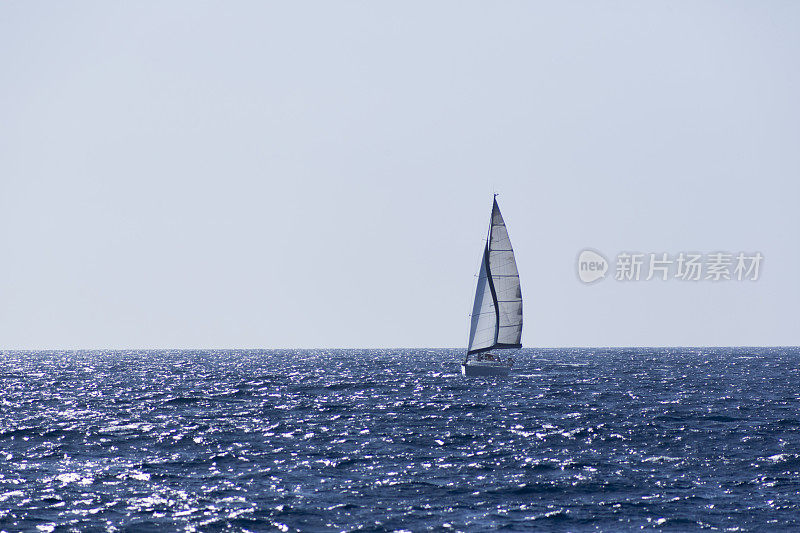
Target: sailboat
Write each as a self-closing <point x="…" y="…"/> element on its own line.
<point x="496" y="320"/>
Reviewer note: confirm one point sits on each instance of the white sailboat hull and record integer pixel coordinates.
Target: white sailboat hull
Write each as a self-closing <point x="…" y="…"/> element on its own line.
<point x="473" y="369"/>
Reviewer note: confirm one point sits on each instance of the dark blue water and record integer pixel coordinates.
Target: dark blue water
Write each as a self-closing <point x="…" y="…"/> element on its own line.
<point x="577" y="440"/>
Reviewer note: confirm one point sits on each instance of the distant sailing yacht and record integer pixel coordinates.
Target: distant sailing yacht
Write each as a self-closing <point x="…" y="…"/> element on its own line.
<point x="497" y="312"/>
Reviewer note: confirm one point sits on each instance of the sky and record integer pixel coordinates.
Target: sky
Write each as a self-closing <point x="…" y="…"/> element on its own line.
<point x="198" y="174"/>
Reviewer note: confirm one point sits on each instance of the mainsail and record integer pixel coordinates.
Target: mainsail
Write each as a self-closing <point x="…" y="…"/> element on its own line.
<point x="497" y="311"/>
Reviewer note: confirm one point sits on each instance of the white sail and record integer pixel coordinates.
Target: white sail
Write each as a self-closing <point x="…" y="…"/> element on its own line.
<point x="505" y="277"/>
<point x="497" y="311"/>
<point x="484" y="316"/>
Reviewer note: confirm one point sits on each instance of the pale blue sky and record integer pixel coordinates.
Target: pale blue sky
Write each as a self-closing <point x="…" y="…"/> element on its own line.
<point x="319" y="174"/>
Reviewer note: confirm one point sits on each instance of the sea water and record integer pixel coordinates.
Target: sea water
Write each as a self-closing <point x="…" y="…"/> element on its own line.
<point x="379" y="440"/>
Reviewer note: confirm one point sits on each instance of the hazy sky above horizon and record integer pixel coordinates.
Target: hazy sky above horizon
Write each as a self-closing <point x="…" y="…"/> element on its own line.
<point x="319" y="174"/>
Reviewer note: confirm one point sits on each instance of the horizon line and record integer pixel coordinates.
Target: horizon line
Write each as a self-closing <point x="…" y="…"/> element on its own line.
<point x="188" y="349"/>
